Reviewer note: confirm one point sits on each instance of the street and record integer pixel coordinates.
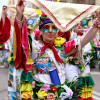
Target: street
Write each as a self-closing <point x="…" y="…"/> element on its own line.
<point x="4" y="83"/>
<point x="95" y="73"/>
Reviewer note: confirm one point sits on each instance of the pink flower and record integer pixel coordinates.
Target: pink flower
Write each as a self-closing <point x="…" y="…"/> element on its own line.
<point x="77" y="62"/>
<point x="45" y="87"/>
<point x="70" y="58"/>
<point x="33" y="84"/>
<point x="51" y="96"/>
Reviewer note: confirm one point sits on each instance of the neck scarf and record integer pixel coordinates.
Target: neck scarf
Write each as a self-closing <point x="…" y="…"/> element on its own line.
<point x="47" y="45"/>
<point x="79" y="34"/>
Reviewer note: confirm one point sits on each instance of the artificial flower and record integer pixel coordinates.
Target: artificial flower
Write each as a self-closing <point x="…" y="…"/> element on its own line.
<point x="9" y="59"/>
<point x="77" y="62"/>
<point x="67" y="59"/>
<point x="70" y="58"/>
<point x="41" y="94"/>
<point x="45" y="87"/>
<point x="59" y="41"/>
<point x="53" y="89"/>
<point x="51" y="96"/>
<point x="33" y="84"/>
<point x="67" y="94"/>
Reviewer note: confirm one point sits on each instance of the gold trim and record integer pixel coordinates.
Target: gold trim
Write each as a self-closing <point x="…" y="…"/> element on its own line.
<point x="84" y="74"/>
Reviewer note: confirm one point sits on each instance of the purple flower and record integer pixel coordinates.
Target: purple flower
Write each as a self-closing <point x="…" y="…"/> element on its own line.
<point x="45" y="87"/>
<point x="71" y="57"/>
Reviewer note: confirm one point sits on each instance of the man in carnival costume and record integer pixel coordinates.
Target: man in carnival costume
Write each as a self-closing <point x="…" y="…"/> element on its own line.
<point x="4" y="36"/>
<point x="6" y="33"/>
<point x="49" y="78"/>
<point x="75" y="70"/>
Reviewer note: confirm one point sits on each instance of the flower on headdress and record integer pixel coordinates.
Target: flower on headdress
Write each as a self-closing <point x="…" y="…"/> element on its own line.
<point x="33" y="84"/>
<point x="45" y="87"/>
<point x="77" y="62"/>
<point x="51" y="96"/>
<point x="41" y="94"/>
<point x="54" y="89"/>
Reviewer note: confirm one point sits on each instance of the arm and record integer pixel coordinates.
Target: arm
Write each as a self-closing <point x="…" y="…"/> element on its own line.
<point x="19" y="15"/>
<point x="3" y="16"/>
<point x="88" y="36"/>
<point x="5" y="26"/>
<point x="84" y="40"/>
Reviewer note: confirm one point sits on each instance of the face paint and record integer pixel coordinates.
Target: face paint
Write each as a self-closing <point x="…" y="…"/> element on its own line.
<point x="48" y="28"/>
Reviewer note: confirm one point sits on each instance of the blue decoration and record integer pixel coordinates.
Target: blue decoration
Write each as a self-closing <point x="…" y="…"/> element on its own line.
<point x="54" y="77"/>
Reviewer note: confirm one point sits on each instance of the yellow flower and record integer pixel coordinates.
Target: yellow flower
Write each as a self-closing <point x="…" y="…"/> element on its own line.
<point x="67" y="59"/>
<point x="41" y="94"/>
<point x="59" y="41"/>
<point x="58" y="0"/>
<point x="9" y="59"/>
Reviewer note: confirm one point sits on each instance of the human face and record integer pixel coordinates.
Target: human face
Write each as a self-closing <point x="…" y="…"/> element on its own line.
<point x="49" y="33"/>
<point x="78" y="29"/>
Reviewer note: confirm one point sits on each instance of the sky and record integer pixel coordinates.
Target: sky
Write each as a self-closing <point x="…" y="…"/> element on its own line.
<point x="3" y="2"/>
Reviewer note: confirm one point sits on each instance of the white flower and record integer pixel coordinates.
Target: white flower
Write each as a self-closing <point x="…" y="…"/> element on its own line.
<point x="67" y="94"/>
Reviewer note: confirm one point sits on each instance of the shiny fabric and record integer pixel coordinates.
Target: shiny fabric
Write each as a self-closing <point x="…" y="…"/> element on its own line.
<point x="22" y="47"/>
<point x="85" y="89"/>
<point x="26" y="77"/>
<point x="86" y="81"/>
<point x="62" y="20"/>
<point x="85" y="98"/>
<point x="26" y="87"/>
<point x="26" y="95"/>
<point x="86" y="95"/>
<point x="4" y="32"/>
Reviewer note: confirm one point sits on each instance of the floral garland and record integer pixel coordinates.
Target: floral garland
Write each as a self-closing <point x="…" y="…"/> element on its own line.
<point x="53" y="92"/>
<point x="73" y="60"/>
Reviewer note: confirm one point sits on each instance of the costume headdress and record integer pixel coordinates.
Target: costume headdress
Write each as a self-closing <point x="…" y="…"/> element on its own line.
<point x="44" y="20"/>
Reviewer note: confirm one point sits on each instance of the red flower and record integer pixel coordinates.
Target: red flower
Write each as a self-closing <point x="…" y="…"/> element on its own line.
<point x="73" y="57"/>
<point x="53" y="89"/>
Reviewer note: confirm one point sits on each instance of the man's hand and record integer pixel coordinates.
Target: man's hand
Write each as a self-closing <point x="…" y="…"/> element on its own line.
<point x="20" y="9"/>
<point x="4" y="11"/>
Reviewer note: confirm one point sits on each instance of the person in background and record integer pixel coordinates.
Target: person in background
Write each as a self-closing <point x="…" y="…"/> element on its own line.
<point x="4" y="36"/>
<point x="75" y="70"/>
